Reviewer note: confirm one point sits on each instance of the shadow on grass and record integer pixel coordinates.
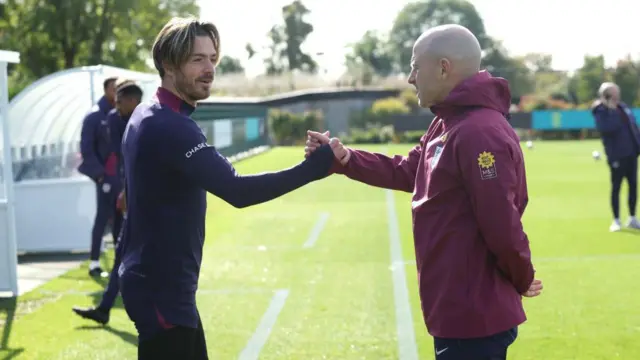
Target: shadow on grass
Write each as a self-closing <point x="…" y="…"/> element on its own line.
<point x="630" y="231"/>
<point x="50" y="258"/>
<point x="8" y="308"/>
<point x="124" y="335"/>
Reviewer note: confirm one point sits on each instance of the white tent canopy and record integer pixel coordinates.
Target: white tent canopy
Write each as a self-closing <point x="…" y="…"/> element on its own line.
<point x="46" y="117"/>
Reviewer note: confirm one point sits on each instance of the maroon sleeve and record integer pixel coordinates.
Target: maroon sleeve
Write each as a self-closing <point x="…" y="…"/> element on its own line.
<point x="375" y="169"/>
<point x="492" y="169"/>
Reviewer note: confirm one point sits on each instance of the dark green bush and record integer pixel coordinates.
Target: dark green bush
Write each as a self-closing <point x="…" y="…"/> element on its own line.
<point x="381" y="113"/>
<point x="290" y="128"/>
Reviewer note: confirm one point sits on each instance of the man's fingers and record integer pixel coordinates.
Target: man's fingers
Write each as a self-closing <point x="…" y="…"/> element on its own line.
<point x="535" y="289"/>
<point x="314" y="135"/>
<point x="312" y="143"/>
<point x="532" y="293"/>
<point x="536" y="285"/>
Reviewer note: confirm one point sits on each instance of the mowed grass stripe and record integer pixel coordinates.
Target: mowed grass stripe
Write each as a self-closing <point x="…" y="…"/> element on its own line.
<point x="336" y="307"/>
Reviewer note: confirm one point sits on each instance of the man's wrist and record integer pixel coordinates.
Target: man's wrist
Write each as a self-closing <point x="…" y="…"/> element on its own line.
<point x="345" y="159"/>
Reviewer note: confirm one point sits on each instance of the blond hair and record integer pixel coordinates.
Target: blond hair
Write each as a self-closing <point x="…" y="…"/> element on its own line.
<point x="175" y="41"/>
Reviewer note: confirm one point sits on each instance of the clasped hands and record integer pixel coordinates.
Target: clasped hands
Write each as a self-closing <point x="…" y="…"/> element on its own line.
<point x="316" y="139"/>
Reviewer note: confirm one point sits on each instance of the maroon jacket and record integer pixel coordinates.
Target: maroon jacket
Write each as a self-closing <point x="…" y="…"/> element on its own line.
<point x="469" y="193"/>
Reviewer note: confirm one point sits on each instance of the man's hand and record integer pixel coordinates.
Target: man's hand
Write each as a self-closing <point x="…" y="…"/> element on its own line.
<point x="121" y="203"/>
<point x="610" y="102"/>
<point x="316" y="139"/>
<point x="535" y="289"/>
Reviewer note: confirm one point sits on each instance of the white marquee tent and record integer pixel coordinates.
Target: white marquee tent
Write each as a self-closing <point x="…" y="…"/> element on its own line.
<point x="54" y="205"/>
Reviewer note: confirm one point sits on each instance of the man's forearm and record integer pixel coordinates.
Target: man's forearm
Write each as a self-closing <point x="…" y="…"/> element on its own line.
<point x="217" y="176"/>
<point x="243" y="191"/>
<point x="378" y="170"/>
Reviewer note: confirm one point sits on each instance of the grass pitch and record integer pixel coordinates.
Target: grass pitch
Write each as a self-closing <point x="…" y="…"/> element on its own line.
<point x="264" y="293"/>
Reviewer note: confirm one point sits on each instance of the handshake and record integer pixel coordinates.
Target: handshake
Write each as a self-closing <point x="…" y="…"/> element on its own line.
<point x="316" y="139"/>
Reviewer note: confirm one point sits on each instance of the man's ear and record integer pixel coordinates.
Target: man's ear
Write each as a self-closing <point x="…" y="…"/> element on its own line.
<point x="168" y="69"/>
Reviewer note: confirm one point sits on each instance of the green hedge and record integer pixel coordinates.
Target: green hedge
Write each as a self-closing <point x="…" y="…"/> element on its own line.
<point x="382" y="135"/>
<point x="380" y="113"/>
<point x="289" y="128"/>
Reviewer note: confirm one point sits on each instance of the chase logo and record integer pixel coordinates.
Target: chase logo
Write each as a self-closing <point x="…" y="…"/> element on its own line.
<point x="195" y="149"/>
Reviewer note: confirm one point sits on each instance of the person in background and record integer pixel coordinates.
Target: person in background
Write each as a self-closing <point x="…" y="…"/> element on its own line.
<point x="128" y="96"/>
<point x="98" y="163"/>
<point x="469" y="188"/>
<point x="621" y="140"/>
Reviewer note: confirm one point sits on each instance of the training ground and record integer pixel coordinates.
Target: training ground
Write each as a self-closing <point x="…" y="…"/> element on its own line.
<point x="328" y="272"/>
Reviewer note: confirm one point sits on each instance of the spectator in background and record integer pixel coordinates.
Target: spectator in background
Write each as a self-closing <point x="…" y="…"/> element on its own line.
<point x="128" y="96"/>
<point x="99" y="164"/>
<point x="621" y="139"/>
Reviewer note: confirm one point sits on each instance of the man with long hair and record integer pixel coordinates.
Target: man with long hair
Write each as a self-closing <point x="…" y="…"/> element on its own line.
<point x="169" y="168"/>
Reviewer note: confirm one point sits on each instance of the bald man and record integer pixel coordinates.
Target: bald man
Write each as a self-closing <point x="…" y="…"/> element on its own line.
<point x="467" y="177"/>
<point x="621" y="140"/>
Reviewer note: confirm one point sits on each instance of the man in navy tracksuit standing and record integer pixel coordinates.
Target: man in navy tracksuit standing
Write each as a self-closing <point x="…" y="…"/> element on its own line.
<point x="169" y="168"/>
<point x="621" y="139"/>
<point x="99" y="164"/>
<point x="128" y="97"/>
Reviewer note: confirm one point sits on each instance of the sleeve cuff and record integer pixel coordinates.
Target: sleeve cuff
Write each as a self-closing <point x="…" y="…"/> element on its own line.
<point x="337" y="167"/>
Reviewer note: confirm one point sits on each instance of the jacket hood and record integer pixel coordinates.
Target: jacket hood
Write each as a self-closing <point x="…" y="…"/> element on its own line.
<point x="480" y="90"/>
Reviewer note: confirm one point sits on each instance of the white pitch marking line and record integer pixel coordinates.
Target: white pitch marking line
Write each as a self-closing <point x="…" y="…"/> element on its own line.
<point x="317" y="229"/>
<point x="407" y="349"/>
<point x="252" y="350"/>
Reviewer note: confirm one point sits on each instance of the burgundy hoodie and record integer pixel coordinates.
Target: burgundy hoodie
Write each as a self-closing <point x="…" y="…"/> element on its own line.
<point x="469" y="193"/>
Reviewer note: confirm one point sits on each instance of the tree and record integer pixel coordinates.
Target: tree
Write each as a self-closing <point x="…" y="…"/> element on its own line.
<point x="538" y="62"/>
<point x="547" y="82"/>
<point x="626" y="76"/>
<point x="372" y="51"/>
<point x="61" y="34"/>
<point x="229" y="65"/>
<point x="588" y="79"/>
<point x="417" y="17"/>
<point x="250" y="51"/>
<point x="287" y="41"/>
<point x="498" y="63"/>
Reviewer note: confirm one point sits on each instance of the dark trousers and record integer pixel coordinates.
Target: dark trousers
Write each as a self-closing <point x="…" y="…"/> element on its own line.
<point x="178" y="343"/>
<point x="106" y="211"/>
<point x="625" y="168"/>
<point x="113" y="287"/>
<point x="487" y="348"/>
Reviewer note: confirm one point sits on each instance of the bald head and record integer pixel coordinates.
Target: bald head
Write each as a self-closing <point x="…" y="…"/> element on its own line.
<point x="444" y="56"/>
<point x="452" y="42"/>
